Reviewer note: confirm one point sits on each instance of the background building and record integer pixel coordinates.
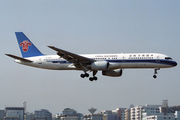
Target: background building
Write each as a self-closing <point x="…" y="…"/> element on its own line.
<point x="42" y="114"/>
<point x="160" y="117"/>
<point x="69" y="114"/>
<point x="14" y="113"/>
<point x="110" y="115"/>
<point x="177" y="115"/>
<point x="93" y="117"/>
<point x="149" y="110"/>
<point x="1" y="114"/>
<point x="120" y="112"/>
<point x="136" y="112"/>
<point x="29" y="116"/>
<point x="127" y="114"/>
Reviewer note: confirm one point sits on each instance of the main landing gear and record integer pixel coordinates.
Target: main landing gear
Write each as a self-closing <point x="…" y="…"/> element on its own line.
<point x="87" y="75"/>
<point x="155" y="72"/>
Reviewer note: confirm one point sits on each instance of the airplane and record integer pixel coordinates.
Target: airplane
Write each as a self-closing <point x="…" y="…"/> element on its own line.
<point x="111" y="65"/>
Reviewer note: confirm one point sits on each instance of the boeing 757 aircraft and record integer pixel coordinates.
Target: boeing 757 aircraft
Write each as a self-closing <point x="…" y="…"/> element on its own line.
<point x="110" y="64"/>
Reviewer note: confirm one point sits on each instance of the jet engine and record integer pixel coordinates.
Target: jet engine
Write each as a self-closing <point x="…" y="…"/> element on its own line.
<point x="100" y="65"/>
<point x="112" y="73"/>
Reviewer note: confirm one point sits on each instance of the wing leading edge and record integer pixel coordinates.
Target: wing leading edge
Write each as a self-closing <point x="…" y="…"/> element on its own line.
<point x="78" y="60"/>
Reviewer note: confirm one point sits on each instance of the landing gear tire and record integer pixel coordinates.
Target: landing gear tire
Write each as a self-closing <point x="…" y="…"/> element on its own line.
<point x="154" y="76"/>
<point x="84" y="75"/>
<point x="93" y="78"/>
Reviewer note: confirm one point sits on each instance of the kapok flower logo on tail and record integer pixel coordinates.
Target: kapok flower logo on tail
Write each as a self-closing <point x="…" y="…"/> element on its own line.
<point x="25" y="45"/>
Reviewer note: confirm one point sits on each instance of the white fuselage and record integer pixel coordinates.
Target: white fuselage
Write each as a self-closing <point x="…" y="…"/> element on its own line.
<point x="116" y="61"/>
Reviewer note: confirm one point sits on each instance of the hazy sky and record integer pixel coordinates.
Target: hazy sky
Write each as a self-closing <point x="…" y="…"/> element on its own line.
<point x="89" y="26"/>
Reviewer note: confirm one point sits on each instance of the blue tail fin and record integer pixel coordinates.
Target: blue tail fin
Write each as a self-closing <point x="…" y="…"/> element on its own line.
<point x="28" y="49"/>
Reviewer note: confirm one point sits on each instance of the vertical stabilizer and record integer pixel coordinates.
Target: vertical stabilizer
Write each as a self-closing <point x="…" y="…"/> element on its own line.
<point x="28" y="49"/>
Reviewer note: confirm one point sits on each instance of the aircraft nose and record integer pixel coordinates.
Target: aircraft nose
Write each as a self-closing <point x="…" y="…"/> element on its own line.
<point x="175" y="63"/>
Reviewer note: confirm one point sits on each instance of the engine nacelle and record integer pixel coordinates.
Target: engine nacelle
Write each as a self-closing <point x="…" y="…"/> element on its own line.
<point x="112" y="73"/>
<point x="100" y="65"/>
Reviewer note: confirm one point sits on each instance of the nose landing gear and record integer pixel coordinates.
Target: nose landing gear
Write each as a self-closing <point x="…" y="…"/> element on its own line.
<point x="154" y="76"/>
<point x="155" y="72"/>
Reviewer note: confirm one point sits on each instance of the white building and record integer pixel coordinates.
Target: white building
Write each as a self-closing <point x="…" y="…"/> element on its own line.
<point x="154" y="112"/>
<point x="177" y="115"/>
<point x="161" y="117"/>
<point x="149" y="110"/>
<point x="70" y="118"/>
<point x="135" y="112"/>
<point x="140" y="112"/>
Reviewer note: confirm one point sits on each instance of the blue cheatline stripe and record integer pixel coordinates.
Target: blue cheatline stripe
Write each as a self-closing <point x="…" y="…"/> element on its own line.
<point x="57" y="61"/>
<point x="156" y="61"/>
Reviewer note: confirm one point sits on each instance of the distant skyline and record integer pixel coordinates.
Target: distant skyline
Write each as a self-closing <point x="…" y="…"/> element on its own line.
<point x="89" y="27"/>
<point x="163" y="102"/>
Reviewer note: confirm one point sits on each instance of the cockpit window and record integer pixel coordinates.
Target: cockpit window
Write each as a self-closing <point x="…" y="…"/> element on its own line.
<point x="168" y="58"/>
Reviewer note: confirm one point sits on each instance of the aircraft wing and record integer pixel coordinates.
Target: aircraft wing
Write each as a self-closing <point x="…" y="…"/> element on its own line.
<point x="79" y="61"/>
<point x="19" y="58"/>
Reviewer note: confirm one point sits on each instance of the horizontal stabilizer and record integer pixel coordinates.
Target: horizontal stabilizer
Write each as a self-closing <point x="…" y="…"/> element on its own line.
<point x="19" y="58"/>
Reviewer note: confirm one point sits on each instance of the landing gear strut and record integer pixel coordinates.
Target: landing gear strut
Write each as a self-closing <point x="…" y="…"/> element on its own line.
<point x="94" y="77"/>
<point x="155" y="72"/>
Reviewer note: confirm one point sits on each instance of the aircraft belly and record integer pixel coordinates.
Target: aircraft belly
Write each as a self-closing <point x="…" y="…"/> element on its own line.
<point x="143" y="65"/>
<point x="66" y="67"/>
<point x="112" y="65"/>
<point x="57" y="66"/>
<point x="51" y="66"/>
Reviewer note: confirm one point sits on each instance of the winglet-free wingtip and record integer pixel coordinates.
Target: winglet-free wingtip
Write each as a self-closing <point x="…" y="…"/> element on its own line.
<point x="51" y="46"/>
